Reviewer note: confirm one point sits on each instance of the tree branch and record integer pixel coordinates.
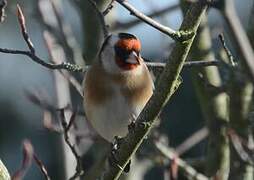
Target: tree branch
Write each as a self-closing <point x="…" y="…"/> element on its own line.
<point x="172" y="155"/>
<point x="129" y="24"/>
<point x="66" y="126"/>
<point x="3" y="4"/>
<point x="239" y="36"/>
<point x="101" y="18"/>
<point x="31" y="53"/>
<point x="165" y="87"/>
<point x="176" y="35"/>
<point x="41" y="167"/>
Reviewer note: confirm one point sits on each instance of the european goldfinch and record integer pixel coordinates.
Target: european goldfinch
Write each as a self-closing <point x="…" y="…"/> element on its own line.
<point x="117" y="86"/>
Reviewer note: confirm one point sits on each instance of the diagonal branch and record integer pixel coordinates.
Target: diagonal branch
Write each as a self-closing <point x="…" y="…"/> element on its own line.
<point x="41" y="167"/>
<point x="172" y="155"/>
<point x="129" y="24"/>
<point x="166" y="85"/>
<point x="176" y="35"/>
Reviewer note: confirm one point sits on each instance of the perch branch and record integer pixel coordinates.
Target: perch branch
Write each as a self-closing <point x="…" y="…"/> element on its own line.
<point x="165" y="87"/>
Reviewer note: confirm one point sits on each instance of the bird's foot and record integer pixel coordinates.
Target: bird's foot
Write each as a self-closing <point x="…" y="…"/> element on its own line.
<point x="132" y="124"/>
<point x="113" y="159"/>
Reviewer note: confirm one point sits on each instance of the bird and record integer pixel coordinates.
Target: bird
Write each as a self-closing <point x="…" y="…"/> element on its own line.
<point x="117" y="86"/>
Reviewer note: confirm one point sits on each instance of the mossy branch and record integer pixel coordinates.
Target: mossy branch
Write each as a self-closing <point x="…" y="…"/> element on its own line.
<point x="165" y="87"/>
<point x="213" y="104"/>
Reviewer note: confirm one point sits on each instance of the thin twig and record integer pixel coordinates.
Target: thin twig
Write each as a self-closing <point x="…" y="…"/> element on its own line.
<point x="31" y="53"/>
<point x="49" y="44"/>
<point x="79" y="169"/>
<point x="41" y="166"/>
<point x="191" y="141"/>
<point x="229" y="54"/>
<point x="239" y="38"/>
<point x="64" y="65"/>
<point x="66" y="36"/>
<point x="108" y="8"/>
<point x="238" y="143"/>
<point x="22" y="23"/>
<point x="3" y="4"/>
<point x="177" y="35"/>
<point x="129" y="24"/>
<point x="26" y="162"/>
<point x="188" y="64"/>
<point x="170" y="153"/>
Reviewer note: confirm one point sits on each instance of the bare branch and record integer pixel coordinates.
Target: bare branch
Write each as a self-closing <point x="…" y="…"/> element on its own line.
<point x="238" y="143"/>
<point x="22" y="23"/>
<point x="170" y="153"/>
<point x="177" y="35"/>
<point x="41" y="166"/>
<point x="191" y="141"/>
<point x="230" y="56"/>
<point x="108" y="8"/>
<point x="31" y="53"/>
<point x="165" y="87"/>
<point x="27" y="160"/>
<point x="3" y="4"/>
<point x="239" y="37"/>
<point x="79" y="169"/>
<point x="192" y="63"/>
<point x="49" y="44"/>
<point x="129" y="24"/>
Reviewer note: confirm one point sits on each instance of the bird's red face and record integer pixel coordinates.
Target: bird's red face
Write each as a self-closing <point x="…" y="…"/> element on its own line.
<point x="127" y="51"/>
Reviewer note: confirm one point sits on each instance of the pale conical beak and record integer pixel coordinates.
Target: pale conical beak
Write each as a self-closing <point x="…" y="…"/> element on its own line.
<point x="133" y="58"/>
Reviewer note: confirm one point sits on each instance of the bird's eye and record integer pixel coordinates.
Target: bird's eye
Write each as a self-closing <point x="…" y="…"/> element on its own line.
<point x="122" y="52"/>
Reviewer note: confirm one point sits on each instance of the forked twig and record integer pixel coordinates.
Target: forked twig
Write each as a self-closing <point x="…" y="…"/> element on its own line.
<point x="28" y="157"/>
<point x="31" y="53"/>
<point x="66" y="126"/>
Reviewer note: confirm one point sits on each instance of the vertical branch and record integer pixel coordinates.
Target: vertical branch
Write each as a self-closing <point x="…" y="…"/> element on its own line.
<point x="240" y="87"/>
<point x="91" y="28"/>
<point x="3" y="4"/>
<point x="240" y="97"/>
<point x="63" y="100"/>
<point x="213" y="106"/>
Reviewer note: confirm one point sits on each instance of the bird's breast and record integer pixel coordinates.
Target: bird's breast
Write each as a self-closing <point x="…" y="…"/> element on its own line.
<point x="112" y="116"/>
